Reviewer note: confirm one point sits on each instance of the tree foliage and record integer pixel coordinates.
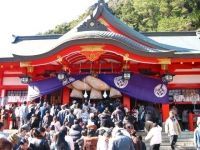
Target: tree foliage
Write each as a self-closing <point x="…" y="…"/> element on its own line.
<point x="65" y="27"/>
<point x="149" y="15"/>
<point x="160" y="15"/>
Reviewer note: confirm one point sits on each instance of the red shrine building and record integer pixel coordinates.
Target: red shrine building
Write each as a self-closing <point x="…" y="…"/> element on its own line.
<point x="103" y="44"/>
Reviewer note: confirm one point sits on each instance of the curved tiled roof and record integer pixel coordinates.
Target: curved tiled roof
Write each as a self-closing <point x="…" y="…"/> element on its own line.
<point x="33" y="47"/>
<point x="101" y="37"/>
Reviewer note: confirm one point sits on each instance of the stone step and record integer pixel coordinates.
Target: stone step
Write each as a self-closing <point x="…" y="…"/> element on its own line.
<point x="179" y="139"/>
<point x="181" y="135"/>
<point x="186" y="139"/>
<point x="185" y="133"/>
<point x="178" y="143"/>
<point x="184" y="142"/>
<point x="165" y="136"/>
<point x="176" y="148"/>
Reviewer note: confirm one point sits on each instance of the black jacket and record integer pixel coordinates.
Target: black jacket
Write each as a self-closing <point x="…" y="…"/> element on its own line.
<point x="39" y="144"/>
<point x="75" y="132"/>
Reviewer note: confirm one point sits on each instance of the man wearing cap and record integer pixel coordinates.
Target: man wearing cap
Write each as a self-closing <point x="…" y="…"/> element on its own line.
<point x="197" y="135"/>
<point x="172" y="128"/>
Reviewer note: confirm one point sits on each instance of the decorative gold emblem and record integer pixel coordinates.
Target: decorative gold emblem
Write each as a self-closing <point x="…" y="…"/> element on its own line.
<point x="164" y="67"/>
<point x="59" y="59"/>
<point x="25" y="64"/>
<point x="65" y="68"/>
<point x="92" y="52"/>
<point x="30" y="69"/>
<point x="126" y="57"/>
<point x="165" y="61"/>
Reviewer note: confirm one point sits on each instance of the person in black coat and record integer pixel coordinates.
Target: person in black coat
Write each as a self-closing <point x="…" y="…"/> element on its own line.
<point x="34" y="122"/>
<point x="138" y="143"/>
<point x="38" y="142"/>
<point x="61" y="143"/>
<point x="24" y="144"/>
<point x="105" y="117"/>
<point x="75" y="131"/>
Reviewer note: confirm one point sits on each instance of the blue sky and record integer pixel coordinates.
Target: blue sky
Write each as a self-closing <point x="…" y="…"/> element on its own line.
<point x="29" y="17"/>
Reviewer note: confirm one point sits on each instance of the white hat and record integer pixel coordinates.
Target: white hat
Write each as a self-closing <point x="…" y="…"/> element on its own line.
<point x="198" y="120"/>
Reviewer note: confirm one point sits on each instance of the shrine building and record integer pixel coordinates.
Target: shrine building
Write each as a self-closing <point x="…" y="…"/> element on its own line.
<point x="103" y="44"/>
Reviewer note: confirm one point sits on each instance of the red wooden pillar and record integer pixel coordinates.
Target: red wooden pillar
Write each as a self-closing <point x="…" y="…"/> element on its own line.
<point x="1" y="78"/>
<point x="3" y="91"/>
<point x="6" y="125"/>
<point x="65" y="96"/>
<point x="127" y="101"/>
<point x="165" y="112"/>
<point x="191" y="121"/>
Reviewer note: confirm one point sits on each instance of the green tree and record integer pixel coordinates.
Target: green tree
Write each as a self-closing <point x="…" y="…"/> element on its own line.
<point x="148" y="11"/>
<point x="160" y="15"/>
<point x="126" y="12"/>
<point x="65" y="27"/>
<point x="174" y="24"/>
<point x="149" y="15"/>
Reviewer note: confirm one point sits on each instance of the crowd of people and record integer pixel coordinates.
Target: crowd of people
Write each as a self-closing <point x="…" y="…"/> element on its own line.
<point x="84" y="126"/>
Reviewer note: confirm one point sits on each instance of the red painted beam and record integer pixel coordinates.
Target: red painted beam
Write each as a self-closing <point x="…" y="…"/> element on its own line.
<point x="186" y="73"/>
<point x="183" y="86"/>
<point x="108" y="47"/>
<point x="14" y="87"/>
